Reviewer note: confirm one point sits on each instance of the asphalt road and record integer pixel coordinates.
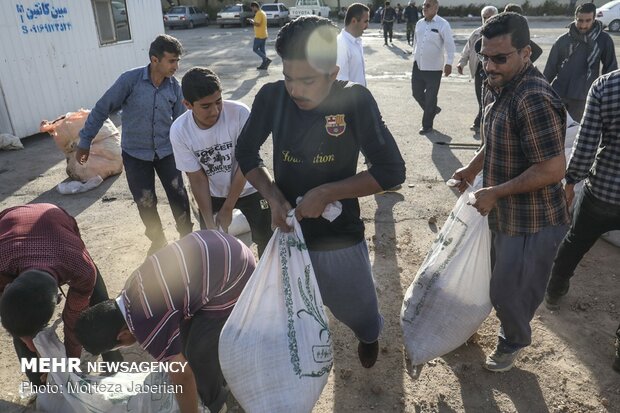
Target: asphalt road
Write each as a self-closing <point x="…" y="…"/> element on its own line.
<point x="425" y="198"/>
<point x="228" y="51"/>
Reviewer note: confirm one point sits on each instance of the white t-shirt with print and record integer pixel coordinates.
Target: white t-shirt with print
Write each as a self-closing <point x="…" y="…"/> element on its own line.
<point x="211" y="149"/>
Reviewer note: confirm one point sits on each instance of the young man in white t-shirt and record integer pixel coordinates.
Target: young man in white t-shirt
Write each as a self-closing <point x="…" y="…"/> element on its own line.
<point x="203" y="140"/>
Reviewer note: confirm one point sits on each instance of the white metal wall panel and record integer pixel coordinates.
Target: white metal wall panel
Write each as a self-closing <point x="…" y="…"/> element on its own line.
<point x="46" y="74"/>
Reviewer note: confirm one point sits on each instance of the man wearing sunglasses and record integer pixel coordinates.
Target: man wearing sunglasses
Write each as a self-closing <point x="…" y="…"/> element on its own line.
<point x="576" y="57"/>
<point x="432" y="36"/>
<point x="522" y="160"/>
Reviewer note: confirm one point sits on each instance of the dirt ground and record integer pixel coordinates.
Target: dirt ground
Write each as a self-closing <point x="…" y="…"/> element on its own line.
<point x="566" y="369"/>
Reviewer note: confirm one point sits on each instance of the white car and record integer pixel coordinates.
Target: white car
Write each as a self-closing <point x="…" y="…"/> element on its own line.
<point x="276" y="13"/>
<point x="609" y="15"/>
<point x="309" y="8"/>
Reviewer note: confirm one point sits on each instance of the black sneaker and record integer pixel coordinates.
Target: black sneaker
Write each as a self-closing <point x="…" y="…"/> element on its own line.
<point x="498" y="361"/>
<point x="556" y="289"/>
<point x="368" y="353"/>
<point x="266" y="63"/>
<point x="552" y="302"/>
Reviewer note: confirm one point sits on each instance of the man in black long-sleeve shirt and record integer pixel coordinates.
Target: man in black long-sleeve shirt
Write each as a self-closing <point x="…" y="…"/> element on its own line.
<point x="318" y="126"/>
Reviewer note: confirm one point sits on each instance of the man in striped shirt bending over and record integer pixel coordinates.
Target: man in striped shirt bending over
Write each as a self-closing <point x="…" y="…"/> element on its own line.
<point x="175" y="305"/>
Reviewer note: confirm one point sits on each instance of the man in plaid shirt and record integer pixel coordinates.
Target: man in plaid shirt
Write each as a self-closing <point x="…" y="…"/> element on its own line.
<point x="595" y="158"/>
<point x="523" y="163"/>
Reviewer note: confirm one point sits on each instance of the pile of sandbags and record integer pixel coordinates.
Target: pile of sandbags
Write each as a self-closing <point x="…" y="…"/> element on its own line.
<point x="105" y="151"/>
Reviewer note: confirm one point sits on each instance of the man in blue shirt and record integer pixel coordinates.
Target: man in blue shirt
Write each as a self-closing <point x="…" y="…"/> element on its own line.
<point x="151" y="99"/>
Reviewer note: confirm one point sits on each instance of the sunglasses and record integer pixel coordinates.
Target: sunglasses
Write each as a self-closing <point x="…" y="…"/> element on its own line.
<point x="498" y="59"/>
<point x="426" y="6"/>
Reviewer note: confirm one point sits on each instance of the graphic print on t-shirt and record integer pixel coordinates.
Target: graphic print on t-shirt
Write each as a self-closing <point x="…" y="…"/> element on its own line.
<point x="335" y="125"/>
<point x="216" y="158"/>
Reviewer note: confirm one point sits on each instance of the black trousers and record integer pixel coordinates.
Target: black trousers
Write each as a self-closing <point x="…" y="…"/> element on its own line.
<point x="388" y="28"/>
<point x="424" y="88"/>
<point x="141" y="180"/>
<point x="591" y="218"/>
<point x="575" y="107"/>
<point x="100" y="293"/>
<point x="257" y="211"/>
<point x="200" y="336"/>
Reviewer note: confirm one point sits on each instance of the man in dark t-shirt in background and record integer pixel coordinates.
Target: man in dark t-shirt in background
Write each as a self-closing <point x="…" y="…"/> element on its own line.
<point x="319" y="125"/>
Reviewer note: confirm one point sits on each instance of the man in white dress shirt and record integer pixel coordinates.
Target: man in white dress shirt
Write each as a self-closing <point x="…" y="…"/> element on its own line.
<point x="469" y="55"/>
<point x="433" y="35"/>
<point x="350" y="50"/>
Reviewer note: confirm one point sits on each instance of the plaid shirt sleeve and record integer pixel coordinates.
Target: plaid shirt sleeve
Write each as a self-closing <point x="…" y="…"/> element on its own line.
<point x="588" y="137"/>
<point x="543" y="125"/>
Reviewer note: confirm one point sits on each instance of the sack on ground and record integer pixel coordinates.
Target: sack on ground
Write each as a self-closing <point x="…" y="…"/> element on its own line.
<point x="449" y="297"/>
<point x="10" y="142"/>
<point x="81" y="392"/>
<point x="105" y="151"/>
<point x="275" y="349"/>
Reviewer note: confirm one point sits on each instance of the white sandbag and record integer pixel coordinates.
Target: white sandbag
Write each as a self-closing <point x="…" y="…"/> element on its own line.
<point x="613" y="237"/>
<point x="105" y="157"/>
<point x="81" y="392"/>
<point x="76" y="187"/>
<point x="10" y="142"/>
<point x="275" y="349"/>
<point x="449" y="297"/>
<point x="239" y="224"/>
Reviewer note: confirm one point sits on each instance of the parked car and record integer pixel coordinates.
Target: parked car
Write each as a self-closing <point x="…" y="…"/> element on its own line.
<point x="185" y="16"/>
<point x="309" y="8"/>
<point x="235" y="14"/>
<point x="609" y="15"/>
<point x="277" y="13"/>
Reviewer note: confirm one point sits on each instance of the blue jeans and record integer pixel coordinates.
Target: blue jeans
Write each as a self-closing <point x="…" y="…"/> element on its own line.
<point x="259" y="48"/>
<point x="591" y="218"/>
<point x="141" y="180"/>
